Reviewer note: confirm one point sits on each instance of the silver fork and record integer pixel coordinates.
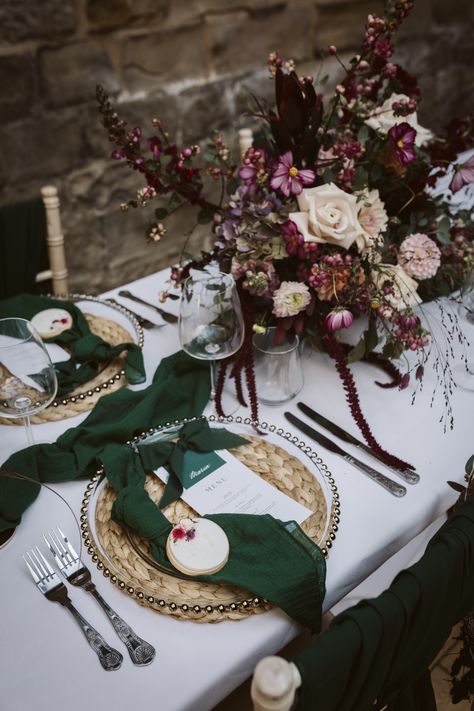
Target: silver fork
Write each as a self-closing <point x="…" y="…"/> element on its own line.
<point x="53" y="589"/>
<point x="73" y="569"/>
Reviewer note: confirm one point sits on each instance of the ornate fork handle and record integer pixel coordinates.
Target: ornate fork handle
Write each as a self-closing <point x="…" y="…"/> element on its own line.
<point x="109" y="658"/>
<point x="141" y="653"/>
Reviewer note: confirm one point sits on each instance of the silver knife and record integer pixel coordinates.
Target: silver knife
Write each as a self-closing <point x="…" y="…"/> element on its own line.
<point x="392" y="486"/>
<point x="407" y="475"/>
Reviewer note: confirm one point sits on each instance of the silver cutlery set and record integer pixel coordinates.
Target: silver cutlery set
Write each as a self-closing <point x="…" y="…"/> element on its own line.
<point x="390" y="485"/>
<point x="74" y="571"/>
<point x="145" y="322"/>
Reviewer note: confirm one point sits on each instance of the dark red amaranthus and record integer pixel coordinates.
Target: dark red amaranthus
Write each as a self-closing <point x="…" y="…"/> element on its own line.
<point x="243" y="362"/>
<point x="337" y="352"/>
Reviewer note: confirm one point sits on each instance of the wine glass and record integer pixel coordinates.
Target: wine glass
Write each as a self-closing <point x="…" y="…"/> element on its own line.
<point x="28" y="380"/>
<point x="211" y="325"/>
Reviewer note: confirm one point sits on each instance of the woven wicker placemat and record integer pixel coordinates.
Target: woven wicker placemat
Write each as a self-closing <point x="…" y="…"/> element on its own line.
<point x="136" y="573"/>
<point x="84" y="397"/>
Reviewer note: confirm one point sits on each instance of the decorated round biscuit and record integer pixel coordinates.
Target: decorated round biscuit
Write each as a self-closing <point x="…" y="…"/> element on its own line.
<point x="51" y="322"/>
<point x="197" y="546"/>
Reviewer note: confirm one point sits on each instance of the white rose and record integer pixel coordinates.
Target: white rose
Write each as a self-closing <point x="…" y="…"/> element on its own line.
<point x="328" y="214"/>
<point x="404" y="293"/>
<point x="384" y="119"/>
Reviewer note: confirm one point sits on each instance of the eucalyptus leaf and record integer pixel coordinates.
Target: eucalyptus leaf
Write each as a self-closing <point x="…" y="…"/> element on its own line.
<point x="469" y="465"/>
<point x="358" y="352"/>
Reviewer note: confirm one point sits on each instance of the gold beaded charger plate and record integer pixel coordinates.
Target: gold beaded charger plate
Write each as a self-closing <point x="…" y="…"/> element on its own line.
<point x="124" y="558"/>
<point x="115" y="324"/>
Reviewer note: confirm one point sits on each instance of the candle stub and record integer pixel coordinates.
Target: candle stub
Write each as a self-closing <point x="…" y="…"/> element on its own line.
<point x="197" y="546"/>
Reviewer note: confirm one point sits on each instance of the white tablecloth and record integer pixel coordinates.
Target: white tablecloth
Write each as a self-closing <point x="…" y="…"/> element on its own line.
<point x="45" y="665"/>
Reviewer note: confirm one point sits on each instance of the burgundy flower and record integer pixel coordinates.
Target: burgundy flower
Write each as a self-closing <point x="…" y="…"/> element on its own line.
<point x="402" y="137"/>
<point x="178" y="532"/>
<point x="288" y="178"/>
<point x="463" y="175"/>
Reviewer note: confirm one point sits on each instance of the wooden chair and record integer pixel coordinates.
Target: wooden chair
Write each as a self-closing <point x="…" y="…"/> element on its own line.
<point x="57" y="272"/>
<point x="32" y="246"/>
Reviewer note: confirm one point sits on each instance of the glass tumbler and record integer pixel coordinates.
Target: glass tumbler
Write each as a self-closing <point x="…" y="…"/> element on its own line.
<point x="278" y="371"/>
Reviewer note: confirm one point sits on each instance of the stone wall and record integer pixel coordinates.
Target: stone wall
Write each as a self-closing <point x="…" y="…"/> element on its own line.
<point x="189" y="62"/>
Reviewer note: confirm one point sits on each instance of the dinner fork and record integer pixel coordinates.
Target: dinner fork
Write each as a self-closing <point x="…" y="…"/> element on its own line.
<point x="73" y="569"/>
<point x="165" y="315"/>
<point x="53" y="589"/>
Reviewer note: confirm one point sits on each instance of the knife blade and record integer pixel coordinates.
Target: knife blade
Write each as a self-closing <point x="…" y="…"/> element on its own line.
<point x="388" y="484"/>
<point x="407" y="475"/>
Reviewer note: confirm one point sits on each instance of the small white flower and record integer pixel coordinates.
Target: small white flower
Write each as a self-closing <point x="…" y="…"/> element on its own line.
<point x="290" y="298"/>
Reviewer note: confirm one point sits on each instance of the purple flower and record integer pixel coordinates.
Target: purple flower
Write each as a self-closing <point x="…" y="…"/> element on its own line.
<point x="338" y="318"/>
<point x="463" y="175"/>
<point x="402" y="137"/>
<point x="288" y="178"/>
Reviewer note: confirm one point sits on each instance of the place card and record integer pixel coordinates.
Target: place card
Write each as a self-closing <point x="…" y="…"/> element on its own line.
<point x="217" y="482"/>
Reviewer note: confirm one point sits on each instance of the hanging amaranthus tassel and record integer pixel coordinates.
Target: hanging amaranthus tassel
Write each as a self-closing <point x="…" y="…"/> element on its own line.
<point x="337" y="352"/>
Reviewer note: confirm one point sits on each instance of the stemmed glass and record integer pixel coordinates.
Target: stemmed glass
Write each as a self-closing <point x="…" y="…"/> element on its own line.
<point x="211" y="325"/>
<point x="28" y="380"/>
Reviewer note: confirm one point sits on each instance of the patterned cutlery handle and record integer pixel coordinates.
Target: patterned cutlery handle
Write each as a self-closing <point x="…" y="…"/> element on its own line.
<point x="141" y="652"/>
<point x="392" y="486"/>
<point x="108" y="657"/>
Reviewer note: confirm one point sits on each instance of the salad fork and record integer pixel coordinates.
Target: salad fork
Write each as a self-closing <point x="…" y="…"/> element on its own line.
<point x="71" y="566"/>
<point x="53" y="589"/>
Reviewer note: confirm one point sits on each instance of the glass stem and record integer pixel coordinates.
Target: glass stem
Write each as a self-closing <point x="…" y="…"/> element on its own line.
<point x="212" y="371"/>
<point x="28" y="429"/>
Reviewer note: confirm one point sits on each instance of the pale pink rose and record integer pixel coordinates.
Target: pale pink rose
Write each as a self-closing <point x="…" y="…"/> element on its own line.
<point x="419" y="256"/>
<point x="328" y="215"/>
<point x="290" y="298"/>
<point x="399" y="289"/>
<point x="372" y="218"/>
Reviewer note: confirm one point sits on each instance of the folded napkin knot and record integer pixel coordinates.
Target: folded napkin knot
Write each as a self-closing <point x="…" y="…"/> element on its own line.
<point x="196" y="436"/>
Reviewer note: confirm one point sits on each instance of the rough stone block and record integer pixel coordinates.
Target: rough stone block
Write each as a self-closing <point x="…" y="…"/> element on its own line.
<point x="33" y="19"/>
<point x="70" y="72"/>
<point x="240" y="41"/>
<point x="42" y="148"/>
<point x="204" y="109"/>
<point x="447" y="13"/>
<point x="343" y="25"/>
<point x="110" y="14"/>
<point x="155" y="59"/>
<point x="18" y="82"/>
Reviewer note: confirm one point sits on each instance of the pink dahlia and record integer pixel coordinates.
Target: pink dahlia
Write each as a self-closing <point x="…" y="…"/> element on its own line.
<point x="288" y="178"/>
<point x="419" y="256"/>
<point x="338" y="318"/>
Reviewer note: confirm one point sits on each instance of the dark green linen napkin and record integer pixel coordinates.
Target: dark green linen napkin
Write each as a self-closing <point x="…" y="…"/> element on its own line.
<point x="87" y="350"/>
<point x="381" y="649"/>
<point x="268" y="557"/>
<point x="193" y="436"/>
<point x="180" y="389"/>
<point x="23" y="249"/>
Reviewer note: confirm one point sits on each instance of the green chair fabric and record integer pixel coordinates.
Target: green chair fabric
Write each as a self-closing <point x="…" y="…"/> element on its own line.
<point x="378" y="652"/>
<point x="23" y="248"/>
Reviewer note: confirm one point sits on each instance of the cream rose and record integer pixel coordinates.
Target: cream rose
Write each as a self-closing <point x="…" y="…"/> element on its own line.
<point x="403" y="294"/>
<point x="328" y="214"/>
<point x="384" y="119"/>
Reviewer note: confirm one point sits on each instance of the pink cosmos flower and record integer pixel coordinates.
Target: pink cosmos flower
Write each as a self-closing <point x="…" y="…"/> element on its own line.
<point x="402" y="137"/>
<point x="288" y="178"/>
<point x="463" y="175"/>
<point x="338" y="318"/>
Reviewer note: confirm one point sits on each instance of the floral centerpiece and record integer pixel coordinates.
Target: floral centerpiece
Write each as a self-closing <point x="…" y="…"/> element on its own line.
<point x="328" y="217"/>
